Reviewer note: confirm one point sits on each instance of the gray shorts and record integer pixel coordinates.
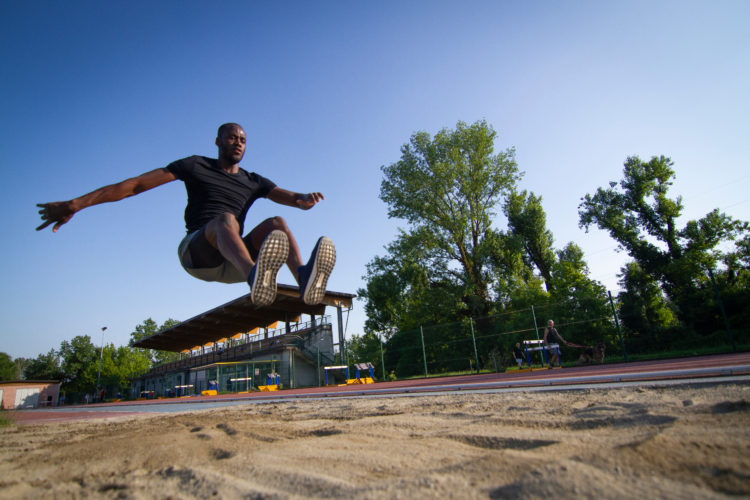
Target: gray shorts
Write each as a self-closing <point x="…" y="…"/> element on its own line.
<point x="219" y="270"/>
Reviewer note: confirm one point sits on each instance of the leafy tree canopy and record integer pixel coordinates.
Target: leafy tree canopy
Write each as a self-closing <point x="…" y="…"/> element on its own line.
<point x="448" y="188"/>
<point x="8" y="369"/>
<point x="643" y="219"/>
<point x="45" y="367"/>
<point x="146" y="329"/>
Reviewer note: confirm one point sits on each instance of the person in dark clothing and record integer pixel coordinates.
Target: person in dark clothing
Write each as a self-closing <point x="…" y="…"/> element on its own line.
<point x="219" y="194"/>
<point x="551" y="336"/>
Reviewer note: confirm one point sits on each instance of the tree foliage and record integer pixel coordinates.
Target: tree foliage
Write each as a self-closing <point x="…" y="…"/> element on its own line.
<point x="45" y="367"/>
<point x="644" y="310"/>
<point x="454" y="268"/>
<point x="363" y="349"/>
<point x="77" y="363"/>
<point x="527" y="224"/>
<point x="146" y="329"/>
<point x="643" y="219"/>
<point x="78" y="356"/>
<point x="447" y="188"/>
<point x="8" y="369"/>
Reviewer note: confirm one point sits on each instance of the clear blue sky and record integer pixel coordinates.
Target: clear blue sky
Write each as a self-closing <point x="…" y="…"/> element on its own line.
<point x="95" y="92"/>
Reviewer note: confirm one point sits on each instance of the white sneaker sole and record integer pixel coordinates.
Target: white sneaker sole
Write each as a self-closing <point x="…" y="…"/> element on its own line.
<point x="271" y="256"/>
<point x="325" y="259"/>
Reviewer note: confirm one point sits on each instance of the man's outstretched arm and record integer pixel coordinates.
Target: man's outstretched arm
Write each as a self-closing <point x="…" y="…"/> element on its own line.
<point x="60" y="212"/>
<point x="292" y="199"/>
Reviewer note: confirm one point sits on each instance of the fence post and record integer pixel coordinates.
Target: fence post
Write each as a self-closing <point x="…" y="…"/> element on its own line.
<point x="382" y="360"/>
<point x="474" y="340"/>
<point x="342" y="341"/>
<point x="424" y="354"/>
<point x="536" y="328"/>
<point x="617" y="324"/>
<point x="543" y="352"/>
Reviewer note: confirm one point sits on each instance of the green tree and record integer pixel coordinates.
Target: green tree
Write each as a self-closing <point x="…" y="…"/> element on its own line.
<point x="447" y="188"/>
<point x="79" y="364"/>
<point x="640" y="216"/>
<point x="45" y="367"/>
<point x="734" y="283"/>
<point x="527" y="223"/>
<point x="579" y="301"/>
<point x="146" y="329"/>
<point x="572" y="299"/>
<point x="406" y="289"/>
<point x="119" y="366"/>
<point x="364" y="349"/>
<point x="8" y="369"/>
<point x="643" y="309"/>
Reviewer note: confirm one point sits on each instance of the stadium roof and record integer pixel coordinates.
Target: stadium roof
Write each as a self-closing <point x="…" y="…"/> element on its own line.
<point x="239" y="316"/>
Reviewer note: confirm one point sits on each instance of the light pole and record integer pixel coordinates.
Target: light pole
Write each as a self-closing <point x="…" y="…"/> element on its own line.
<point x="99" y="376"/>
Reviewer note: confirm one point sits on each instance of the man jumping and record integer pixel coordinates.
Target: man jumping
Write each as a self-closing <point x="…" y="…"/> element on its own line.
<point x="219" y="195"/>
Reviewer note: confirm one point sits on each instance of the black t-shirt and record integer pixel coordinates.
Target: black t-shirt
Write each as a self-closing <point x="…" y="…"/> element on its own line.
<point x="211" y="191"/>
<point x="553" y="337"/>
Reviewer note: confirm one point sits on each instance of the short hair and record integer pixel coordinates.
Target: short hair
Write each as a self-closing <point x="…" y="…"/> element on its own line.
<point x="226" y="126"/>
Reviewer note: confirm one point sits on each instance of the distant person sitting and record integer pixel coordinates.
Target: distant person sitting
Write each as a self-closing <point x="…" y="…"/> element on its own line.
<point x="551" y="336"/>
<point x="518" y="354"/>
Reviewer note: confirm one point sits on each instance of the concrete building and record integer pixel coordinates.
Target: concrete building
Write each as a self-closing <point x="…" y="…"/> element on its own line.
<point x="18" y="394"/>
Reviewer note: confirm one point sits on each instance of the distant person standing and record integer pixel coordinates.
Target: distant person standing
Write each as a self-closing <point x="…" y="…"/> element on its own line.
<point x="552" y="336"/>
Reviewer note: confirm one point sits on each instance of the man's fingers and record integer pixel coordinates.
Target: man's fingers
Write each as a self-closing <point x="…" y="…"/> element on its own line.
<point x="46" y="223"/>
<point x="314" y="198"/>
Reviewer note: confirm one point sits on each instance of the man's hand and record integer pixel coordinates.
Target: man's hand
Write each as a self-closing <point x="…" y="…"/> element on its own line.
<point x="307" y="201"/>
<point x="292" y="199"/>
<point x="60" y="212"/>
<point x="57" y="213"/>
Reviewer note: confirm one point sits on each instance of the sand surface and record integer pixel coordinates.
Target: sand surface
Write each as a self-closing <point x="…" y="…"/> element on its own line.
<point x="680" y="442"/>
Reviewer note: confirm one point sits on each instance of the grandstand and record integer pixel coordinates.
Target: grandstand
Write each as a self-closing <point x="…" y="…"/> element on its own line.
<point x="238" y="347"/>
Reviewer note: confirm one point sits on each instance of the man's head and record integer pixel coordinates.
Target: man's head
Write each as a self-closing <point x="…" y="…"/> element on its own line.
<point x="550" y="323"/>
<point x="230" y="140"/>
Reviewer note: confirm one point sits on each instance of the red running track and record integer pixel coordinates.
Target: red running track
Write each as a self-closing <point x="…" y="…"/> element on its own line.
<point x="723" y="365"/>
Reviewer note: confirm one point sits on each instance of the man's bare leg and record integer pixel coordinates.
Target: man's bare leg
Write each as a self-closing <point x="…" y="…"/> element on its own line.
<point x="223" y="233"/>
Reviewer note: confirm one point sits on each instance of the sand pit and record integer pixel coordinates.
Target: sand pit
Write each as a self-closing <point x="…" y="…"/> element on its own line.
<point x="680" y="442"/>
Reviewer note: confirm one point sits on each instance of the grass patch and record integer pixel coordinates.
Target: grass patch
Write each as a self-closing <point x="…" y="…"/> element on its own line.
<point x="5" y="419"/>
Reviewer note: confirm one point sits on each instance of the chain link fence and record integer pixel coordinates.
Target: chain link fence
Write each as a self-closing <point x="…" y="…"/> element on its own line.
<point x="486" y="344"/>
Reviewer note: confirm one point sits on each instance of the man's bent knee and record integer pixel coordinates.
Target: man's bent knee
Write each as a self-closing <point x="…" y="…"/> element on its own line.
<point x="275" y="223"/>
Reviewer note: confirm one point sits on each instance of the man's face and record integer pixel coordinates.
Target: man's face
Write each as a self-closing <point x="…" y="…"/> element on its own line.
<point x="232" y="144"/>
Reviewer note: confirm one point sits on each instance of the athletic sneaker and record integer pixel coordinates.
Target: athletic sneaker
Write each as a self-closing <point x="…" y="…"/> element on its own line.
<point x="262" y="279"/>
<point x="313" y="276"/>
